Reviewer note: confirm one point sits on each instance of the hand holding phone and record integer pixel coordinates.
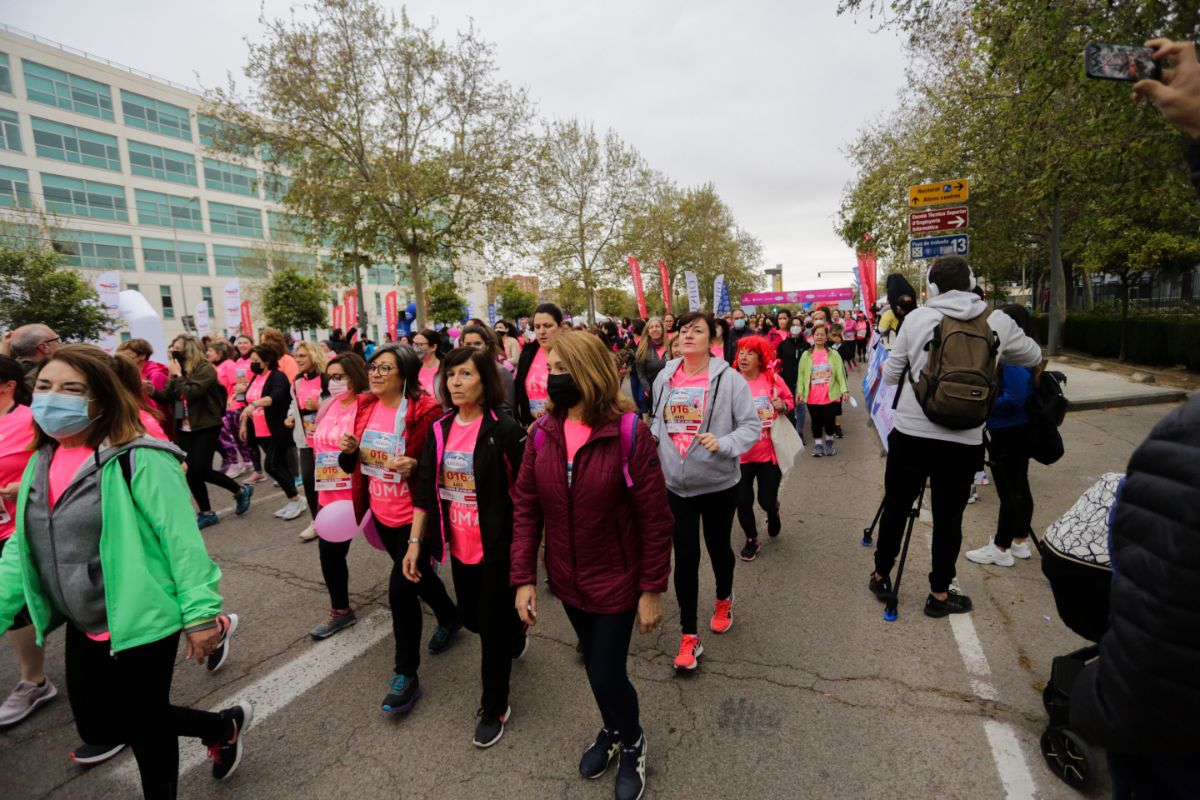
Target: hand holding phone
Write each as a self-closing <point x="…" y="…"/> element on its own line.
<point x="1120" y="62"/>
<point x="1177" y="92"/>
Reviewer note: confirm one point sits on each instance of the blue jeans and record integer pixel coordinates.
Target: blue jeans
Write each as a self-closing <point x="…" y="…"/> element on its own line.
<point x="800" y="412"/>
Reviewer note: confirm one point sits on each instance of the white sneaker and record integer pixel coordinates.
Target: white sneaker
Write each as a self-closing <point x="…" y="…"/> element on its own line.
<point x="973" y="496"/>
<point x="1020" y="550"/>
<point x="292" y="510"/>
<point x="308" y="534"/>
<point x="990" y="554"/>
<point x="981" y="477"/>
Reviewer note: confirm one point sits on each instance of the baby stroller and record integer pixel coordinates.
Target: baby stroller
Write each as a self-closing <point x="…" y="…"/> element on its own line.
<point x="1075" y="560"/>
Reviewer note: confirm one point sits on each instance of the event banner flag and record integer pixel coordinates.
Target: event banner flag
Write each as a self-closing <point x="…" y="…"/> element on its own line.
<point x="233" y="303"/>
<point x="782" y="298"/>
<point x="351" y="304"/>
<point x="721" y="302"/>
<point x="108" y="287"/>
<point x="392" y="310"/>
<point x="338" y="317"/>
<point x="635" y="269"/>
<point x="665" y="278"/>
<point x="201" y="318"/>
<point x="247" y="325"/>
<point x="693" y="291"/>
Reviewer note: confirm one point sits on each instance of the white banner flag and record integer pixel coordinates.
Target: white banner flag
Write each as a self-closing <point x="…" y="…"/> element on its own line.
<point x="108" y="287"/>
<point x="200" y="316"/>
<point x="693" y="291"/>
<point x="233" y="303"/>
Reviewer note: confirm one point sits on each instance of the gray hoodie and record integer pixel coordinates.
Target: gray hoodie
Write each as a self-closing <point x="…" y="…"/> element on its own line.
<point x="728" y="414"/>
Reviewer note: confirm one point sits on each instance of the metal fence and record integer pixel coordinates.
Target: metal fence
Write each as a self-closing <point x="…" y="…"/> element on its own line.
<point x="1153" y="291"/>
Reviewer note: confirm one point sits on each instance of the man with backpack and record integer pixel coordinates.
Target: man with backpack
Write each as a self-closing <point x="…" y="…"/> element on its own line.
<point x="945" y="362"/>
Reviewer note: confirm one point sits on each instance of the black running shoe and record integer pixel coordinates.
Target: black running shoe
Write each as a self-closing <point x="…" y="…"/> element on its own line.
<point x="89" y="754"/>
<point x="600" y="754"/>
<point x="403" y="693"/>
<point x="443" y="637"/>
<point x="954" y="603"/>
<point x="226" y="755"/>
<point x="882" y="589"/>
<point x="837" y="431"/>
<point x="490" y="727"/>
<point x="750" y="550"/>
<point x="631" y="775"/>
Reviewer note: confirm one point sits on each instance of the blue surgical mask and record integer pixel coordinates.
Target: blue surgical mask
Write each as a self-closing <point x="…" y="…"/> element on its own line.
<point x="738" y="324"/>
<point x="60" y="415"/>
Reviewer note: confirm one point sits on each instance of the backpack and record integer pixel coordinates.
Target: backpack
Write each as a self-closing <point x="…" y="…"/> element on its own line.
<point x="957" y="385"/>
<point x="1046" y="408"/>
<point x="629" y="421"/>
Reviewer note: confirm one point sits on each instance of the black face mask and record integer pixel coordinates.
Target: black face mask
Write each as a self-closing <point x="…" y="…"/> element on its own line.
<point x="256" y="367"/>
<point x="563" y="391"/>
<point x="179" y="356"/>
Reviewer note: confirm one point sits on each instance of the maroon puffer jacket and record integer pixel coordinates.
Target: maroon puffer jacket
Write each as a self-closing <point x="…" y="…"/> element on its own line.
<point x="606" y="543"/>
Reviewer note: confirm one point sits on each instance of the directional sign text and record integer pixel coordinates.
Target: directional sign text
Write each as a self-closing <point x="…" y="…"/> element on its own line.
<point x="955" y="218"/>
<point x="936" y="194"/>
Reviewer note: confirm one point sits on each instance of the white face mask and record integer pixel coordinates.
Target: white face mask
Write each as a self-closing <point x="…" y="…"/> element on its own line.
<point x="796" y="330"/>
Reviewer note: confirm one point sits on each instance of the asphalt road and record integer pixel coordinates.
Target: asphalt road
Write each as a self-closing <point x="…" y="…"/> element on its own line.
<point x="811" y="694"/>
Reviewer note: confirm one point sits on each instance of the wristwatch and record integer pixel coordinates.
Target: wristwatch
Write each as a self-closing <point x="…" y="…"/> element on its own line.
<point x="414" y="540"/>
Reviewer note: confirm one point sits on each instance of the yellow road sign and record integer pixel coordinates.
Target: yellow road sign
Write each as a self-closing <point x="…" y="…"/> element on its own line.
<point x="934" y="194"/>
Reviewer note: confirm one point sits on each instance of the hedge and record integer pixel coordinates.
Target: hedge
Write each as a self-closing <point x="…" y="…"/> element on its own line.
<point x="1154" y="340"/>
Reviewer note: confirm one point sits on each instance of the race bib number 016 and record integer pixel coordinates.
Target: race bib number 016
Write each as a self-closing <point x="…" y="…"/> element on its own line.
<point x="458" y="478"/>
<point x="328" y="476"/>
<point x="376" y="450"/>
<point x="685" y="409"/>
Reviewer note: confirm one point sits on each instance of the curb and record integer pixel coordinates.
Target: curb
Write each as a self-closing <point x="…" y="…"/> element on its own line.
<point x="1125" y="400"/>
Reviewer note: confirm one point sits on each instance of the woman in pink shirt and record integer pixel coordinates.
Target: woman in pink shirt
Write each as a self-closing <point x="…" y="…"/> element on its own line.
<point x="532" y="373"/>
<point x="243" y="345"/>
<point x="772" y="399"/>
<point x="426" y="343"/>
<point x="308" y="391"/>
<point x="463" y="504"/>
<point x="346" y="379"/>
<point x="220" y="354"/>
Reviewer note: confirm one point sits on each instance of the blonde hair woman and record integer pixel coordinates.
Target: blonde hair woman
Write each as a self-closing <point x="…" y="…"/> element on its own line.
<point x="310" y="388"/>
<point x="591" y="480"/>
<point x="198" y="397"/>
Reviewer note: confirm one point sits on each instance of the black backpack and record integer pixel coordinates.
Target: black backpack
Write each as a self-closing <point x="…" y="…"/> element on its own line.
<point x="1046" y="408"/>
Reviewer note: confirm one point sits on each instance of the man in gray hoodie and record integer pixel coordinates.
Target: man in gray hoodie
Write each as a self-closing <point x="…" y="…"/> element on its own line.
<point x="920" y="449"/>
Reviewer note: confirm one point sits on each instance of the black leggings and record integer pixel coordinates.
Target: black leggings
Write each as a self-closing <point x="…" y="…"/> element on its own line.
<point x="405" y="597"/>
<point x="716" y="510"/>
<point x="605" y="640"/>
<point x="769" y="477"/>
<point x="823" y="418"/>
<point x="949" y="467"/>
<point x="200" y="447"/>
<point x="126" y="699"/>
<point x="1010" y="448"/>
<point x="488" y="607"/>
<point x="336" y="571"/>
<point x="308" y="477"/>
<point x="278" y="464"/>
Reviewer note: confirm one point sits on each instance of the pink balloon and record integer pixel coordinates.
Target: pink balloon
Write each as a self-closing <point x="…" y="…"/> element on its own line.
<point x="370" y="533"/>
<point x="453" y="333"/>
<point x="336" y="522"/>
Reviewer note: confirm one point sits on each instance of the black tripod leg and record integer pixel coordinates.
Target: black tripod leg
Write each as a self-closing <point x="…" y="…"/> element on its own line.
<point x="889" y="609"/>
<point x="867" y="532"/>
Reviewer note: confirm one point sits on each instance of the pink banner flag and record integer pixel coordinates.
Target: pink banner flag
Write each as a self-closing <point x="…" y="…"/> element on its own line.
<point x="665" y="277"/>
<point x="636" y="270"/>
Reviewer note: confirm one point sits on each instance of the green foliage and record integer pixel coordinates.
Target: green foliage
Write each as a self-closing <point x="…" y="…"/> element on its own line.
<point x="1165" y="340"/>
<point x="445" y="303"/>
<point x="293" y="300"/>
<point x="616" y="302"/>
<point x="515" y="302"/>
<point x="571" y="298"/>
<point x="37" y="288"/>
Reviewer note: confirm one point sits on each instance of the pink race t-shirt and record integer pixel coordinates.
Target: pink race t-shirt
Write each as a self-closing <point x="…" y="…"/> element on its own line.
<point x="577" y="435"/>
<point x="428" y="376"/>
<point x="535" y="383"/>
<point x="16" y="436"/>
<point x="684" y="410"/>
<point x="153" y="429"/>
<point x="329" y="480"/>
<point x="818" y="392"/>
<point x="258" y="416"/>
<point x="391" y="500"/>
<point x="763" y="450"/>
<point x="227" y="375"/>
<point x="308" y="389"/>
<point x="457" y="488"/>
<point x="64" y="466"/>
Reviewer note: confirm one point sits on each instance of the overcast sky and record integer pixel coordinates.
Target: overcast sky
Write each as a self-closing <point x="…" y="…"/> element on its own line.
<point x="757" y="97"/>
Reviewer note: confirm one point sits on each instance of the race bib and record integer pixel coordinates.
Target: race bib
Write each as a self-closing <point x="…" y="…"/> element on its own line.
<point x="537" y="407"/>
<point x="328" y="475"/>
<point x="309" y="422"/>
<point x="766" y="411"/>
<point x="685" y="409"/>
<point x="375" y="450"/>
<point x="820" y="375"/>
<point x="458" y="478"/>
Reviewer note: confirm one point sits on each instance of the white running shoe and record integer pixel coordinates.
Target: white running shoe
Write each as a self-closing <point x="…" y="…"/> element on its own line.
<point x="1020" y="550"/>
<point x="308" y="534"/>
<point x="292" y="510"/>
<point x="973" y="496"/>
<point x="990" y="554"/>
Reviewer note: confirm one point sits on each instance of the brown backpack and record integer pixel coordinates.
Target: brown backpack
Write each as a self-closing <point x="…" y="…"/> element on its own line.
<point x="957" y="386"/>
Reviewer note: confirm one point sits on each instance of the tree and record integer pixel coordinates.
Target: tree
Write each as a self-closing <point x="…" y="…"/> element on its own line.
<point x="293" y="300"/>
<point x="692" y="230"/>
<point x="397" y="144"/>
<point x="515" y="302"/>
<point x="35" y="287"/>
<point x="570" y="298"/>
<point x="616" y="302"/>
<point x="445" y="303"/>
<point x="585" y="189"/>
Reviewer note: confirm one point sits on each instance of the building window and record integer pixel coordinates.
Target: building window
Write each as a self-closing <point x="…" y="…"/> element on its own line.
<point x="84" y="198"/>
<point x="226" y="177"/>
<point x="237" y="220"/>
<point x="77" y="145"/>
<point x="10" y="131"/>
<point x="155" y="115"/>
<point x="161" y="163"/>
<point x="168" y="302"/>
<point x="22" y="237"/>
<point x="14" y="188"/>
<point x="165" y="255"/>
<point x="206" y="296"/>
<point x="276" y="186"/>
<point x="95" y="250"/>
<point x="167" y="210"/>
<point x="285" y="227"/>
<point x="63" y="90"/>
<point x="236" y="261"/>
<point x="5" y="74"/>
<point x="133" y="287"/>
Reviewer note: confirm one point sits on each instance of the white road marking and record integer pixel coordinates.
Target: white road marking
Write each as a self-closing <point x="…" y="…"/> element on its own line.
<point x="972" y="655"/>
<point x="1010" y="761"/>
<point x="275" y="690"/>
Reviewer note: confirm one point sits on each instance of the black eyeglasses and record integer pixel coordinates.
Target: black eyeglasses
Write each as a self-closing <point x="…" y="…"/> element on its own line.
<point x="382" y="369"/>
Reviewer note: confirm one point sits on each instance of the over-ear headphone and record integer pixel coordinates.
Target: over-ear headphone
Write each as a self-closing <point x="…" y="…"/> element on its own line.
<point x="934" y="291"/>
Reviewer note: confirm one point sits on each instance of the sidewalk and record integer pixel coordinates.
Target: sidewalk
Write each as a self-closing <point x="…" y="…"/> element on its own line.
<point x="1089" y="389"/>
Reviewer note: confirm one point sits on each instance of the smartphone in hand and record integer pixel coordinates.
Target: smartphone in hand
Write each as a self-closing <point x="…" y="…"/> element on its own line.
<point x="1120" y="62"/>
